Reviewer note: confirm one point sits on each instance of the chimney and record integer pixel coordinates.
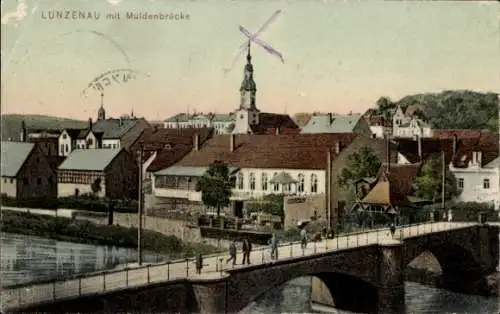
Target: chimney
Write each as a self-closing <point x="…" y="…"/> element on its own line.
<point x="232" y="139"/>
<point x="419" y="143"/>
<point x="90" y="123"/>
<point x="337" y="148"/>
<point x="24" y="135"/>
<point x="196" y="142"/>
<point x="455" y="144"/>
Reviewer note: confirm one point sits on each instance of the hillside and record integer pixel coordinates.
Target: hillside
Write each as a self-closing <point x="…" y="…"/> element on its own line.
<point x="11" y="124"/>
<point x="460" y="109"/>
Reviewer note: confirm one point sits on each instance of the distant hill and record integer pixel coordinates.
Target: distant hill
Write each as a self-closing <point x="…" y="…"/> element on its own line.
<point x="11" y="124"/>
<point x="457" y="109"/>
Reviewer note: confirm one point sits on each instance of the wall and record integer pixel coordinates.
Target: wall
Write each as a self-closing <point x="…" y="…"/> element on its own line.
<point x="294" y="173"/>
<point x="64" y="141"/>
<point x="68" y="189"/>
<point x="41" y="180"/>
<point x="110" y="143"/>
<point x="301" y="208"/>
<point x="8" y="186"/>
<point x="473" y="190"/>
<point x="122" y="177"/>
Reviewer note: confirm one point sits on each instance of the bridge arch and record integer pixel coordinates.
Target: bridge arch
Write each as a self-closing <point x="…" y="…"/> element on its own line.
<point x="346" y="292"/>
<point x="461" y="269"/>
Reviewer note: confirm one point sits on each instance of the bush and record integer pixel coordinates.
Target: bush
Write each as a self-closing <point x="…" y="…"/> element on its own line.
<point x="65" y="229"/>
<point x="469" y="211"/>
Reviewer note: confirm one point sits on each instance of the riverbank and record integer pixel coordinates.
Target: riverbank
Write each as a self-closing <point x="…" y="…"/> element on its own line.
<point x="80" y="231"/>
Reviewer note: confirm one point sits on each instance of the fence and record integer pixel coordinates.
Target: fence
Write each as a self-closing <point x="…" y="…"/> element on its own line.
<point x="20" y="295"/>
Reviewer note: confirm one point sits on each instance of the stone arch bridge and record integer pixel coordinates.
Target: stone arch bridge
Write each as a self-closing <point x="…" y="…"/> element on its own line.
<point x="367" y="278"/>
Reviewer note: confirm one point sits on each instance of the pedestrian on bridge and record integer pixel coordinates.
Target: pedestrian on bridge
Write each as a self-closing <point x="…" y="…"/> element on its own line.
<point x="303" y="238"/>
<point x="393" y="229"/>
<point x="274" y="247"/>
<point x="199" y="263"/>
<point x="247" y="248"/>
<point x="232" y="253"/>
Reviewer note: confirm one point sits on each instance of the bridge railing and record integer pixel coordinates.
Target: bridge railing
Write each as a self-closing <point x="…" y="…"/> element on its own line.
<point x="214" y="265"/>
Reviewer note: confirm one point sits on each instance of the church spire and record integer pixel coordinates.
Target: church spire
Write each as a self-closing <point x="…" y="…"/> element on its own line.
<point x="101" y="113"/>
<point x="248" y="88"/>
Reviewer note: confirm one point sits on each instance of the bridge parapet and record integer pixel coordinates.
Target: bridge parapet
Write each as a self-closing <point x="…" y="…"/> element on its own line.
<point x="344" y="257"/>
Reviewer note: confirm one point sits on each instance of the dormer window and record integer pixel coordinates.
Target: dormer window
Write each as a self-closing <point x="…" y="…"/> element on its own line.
<point x="64" y="136"/>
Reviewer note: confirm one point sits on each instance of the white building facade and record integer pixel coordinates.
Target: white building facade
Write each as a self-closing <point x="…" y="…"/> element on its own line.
<point x="479" y="184"/>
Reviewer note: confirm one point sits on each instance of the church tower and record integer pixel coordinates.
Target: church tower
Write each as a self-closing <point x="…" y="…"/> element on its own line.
<point x="101" y="113"/>
<point x="247" y="113"/>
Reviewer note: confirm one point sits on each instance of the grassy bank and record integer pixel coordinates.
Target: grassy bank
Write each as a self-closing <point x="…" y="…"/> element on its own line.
<point x="65" y="229"/>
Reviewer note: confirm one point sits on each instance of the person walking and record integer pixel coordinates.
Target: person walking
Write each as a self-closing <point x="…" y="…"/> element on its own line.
<point x="199" y="263"/>
<point x="232" y="253"/>
<point x="274" y="247"/>
<point x="303" y="238"/>
<point x="247" y="248"/>
<point x="393" y="229"/>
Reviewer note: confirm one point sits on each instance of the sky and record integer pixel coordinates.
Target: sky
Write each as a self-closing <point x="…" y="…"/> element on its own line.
<point x="339" y="56"/>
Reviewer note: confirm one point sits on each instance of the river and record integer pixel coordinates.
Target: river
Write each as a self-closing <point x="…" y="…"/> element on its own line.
<point x="28" y="258"/>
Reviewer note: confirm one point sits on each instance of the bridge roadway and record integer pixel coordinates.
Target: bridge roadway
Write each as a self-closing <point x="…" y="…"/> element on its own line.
<point x="95" y="283"/>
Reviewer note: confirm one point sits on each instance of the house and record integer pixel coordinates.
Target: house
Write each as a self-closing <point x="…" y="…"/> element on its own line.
<point x="378" y="126"/>
<point x="222" y="123"/>
<point x="110" y="173"/>
<point x="409" y="122"/>
<point x="103" y="133"/>
<point x="47" y="139"/>
<point x="26" y="173"/>
<point x="389" y="193"/>
<point x="290" y="164"/>
<point x="476" y="167"/>
<point x="71" y="139"/>
<point x="470" y="159"/>
<point x="337" y="124"/>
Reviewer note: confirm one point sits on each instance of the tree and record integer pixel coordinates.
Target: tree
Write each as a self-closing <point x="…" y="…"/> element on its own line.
<point x="216" y="186"/>
<point x="362" y="164"/>
<point x="428" y="183"/>
<point x="384" y="104"/>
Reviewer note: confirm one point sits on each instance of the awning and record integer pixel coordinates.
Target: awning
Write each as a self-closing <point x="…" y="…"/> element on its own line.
<point x="283" y="178"/>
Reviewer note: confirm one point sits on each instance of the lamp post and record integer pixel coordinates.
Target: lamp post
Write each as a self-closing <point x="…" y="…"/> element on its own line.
<point x="139" y="207"/>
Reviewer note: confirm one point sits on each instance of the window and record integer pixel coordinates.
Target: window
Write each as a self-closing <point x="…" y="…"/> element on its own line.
<point x="25" y="180"/>
<point x="66" y="148"/>
<point x="486" y="183"/>
<point x="49" y="180"/>
<point x="460" y="183"/>
<point x="11" y="181"/>
<point x="114" y="145"/>
<point x="90" y="141"/>
<point x="39" y="181"/>
<point x="64" y="136"/>
<point x="5" y="180"/>
<point x="264" y="181"/>
<point x="62" y="148"/>
<point x="251" y="181"/>
<point x="286" y="188"/>
<point x="276" y="186"/>
<point x="239" y="181"/>
<point x="300" y="184"/>
<point x="314" y="183"/>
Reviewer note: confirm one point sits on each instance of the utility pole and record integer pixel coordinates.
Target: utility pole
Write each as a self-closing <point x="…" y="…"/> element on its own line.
<point x="443" y="202"/>
<point x="139" y="208"/>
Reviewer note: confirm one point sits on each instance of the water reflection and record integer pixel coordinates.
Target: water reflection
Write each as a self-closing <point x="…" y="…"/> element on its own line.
<point x="27" y="258"/>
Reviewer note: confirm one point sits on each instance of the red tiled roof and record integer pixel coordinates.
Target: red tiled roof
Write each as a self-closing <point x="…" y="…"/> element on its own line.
<point x="172" y="145"/>
<point x="430" y="146"/>
<point x="487" y="144"/>
<point x="450" y="133"/>
<point x="273" y="120"/>
<point x="277" y="131"/>
<point x="286" y="151"/>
